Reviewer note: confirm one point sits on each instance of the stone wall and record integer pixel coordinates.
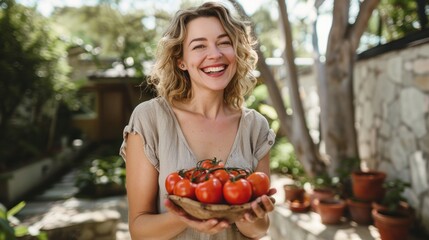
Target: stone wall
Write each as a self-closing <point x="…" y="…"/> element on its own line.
<point x="392" y="119"/>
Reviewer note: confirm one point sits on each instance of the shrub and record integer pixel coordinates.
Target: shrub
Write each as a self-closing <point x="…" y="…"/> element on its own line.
<point x="283" y="159"/>
<point x="102" y="177"/>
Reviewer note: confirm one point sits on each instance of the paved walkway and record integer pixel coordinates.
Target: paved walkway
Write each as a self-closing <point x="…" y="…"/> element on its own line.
<point x="59" y="203"/>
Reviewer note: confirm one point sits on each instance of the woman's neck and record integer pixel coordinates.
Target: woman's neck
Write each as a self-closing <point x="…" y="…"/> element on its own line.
<point x="208" y="106"/>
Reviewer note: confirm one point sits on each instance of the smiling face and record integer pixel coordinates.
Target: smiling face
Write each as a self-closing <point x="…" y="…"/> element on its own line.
<point x="208" y="55"/>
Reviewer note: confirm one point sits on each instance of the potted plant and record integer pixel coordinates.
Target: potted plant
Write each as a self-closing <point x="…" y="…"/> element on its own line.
<point x="294" y="191"/>
<point x="300" y="206"/>
<point x="392" y="219"/>
<point x="368" y="185"/>
<point x="331" y="210"/>
<point x="296" y="196"/>
<point x="344" y="170"/>
<point x="359" y="210"/>
<point x="323" y="188"/>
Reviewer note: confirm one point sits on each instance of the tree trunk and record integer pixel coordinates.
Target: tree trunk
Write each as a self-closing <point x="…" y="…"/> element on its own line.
<point x="319" y="67"/>
<point x="275" y="95"/>
<point x="335" y="90"/>
<point x="305" y="148"/>
<point x="337" y="122"/>
<point x="269" y="81"/>
<point x="293" y="126"/>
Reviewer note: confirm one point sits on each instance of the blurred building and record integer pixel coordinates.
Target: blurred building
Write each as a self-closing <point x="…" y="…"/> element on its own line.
<point x="108" y="96"/>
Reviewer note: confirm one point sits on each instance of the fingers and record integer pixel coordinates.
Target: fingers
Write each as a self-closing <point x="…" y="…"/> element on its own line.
<point x="211" y="226"/>
<point x="271" y="191"/>
<point x="267" y="203"/>
<point x="261" y="207"/>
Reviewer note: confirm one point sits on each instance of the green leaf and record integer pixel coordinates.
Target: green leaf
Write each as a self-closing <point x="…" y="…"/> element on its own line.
<point x="42" y="236"/>
<point x="268" y="111"/>
<point x="16" y="209"/>
<point x="3" y="212"/>
<point x="21" y="231"/>
<point x="7" y="232"/>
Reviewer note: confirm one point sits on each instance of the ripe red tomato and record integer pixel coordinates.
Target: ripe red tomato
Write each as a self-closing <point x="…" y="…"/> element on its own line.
<point x="222" y="175"/>
<point x="238" y="172"/>
<point x="210" y="164"/>
<point x="207" y="163"/>
<point x="209" y="191"/>
<point x="171" y="180"/>
<point x="204" y="177"/>
<point x="188" y="173"/>
<point x="260" y="183"/>
<point x="185" y="188"/>
<point x="237" y="192"/>
<point x="219" y="164"/>
<point x="200" y="175"/>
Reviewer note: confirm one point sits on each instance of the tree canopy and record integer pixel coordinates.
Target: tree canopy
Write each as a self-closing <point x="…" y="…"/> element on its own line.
<point x="33" y="79"/>
<point x="109" y="33"/>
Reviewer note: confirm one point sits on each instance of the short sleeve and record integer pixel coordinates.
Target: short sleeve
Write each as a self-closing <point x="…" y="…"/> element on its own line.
<point x="142" y="122"/>
<point x="265" y="137"/>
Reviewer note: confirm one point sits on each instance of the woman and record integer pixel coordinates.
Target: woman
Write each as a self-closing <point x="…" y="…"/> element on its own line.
<point x="203" y="70"/>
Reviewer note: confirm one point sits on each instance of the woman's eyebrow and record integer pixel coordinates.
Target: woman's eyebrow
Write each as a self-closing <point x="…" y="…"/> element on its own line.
<point x="197" y="40"/>
<point x="222" y="36"/>
<point x="204" y="39"/>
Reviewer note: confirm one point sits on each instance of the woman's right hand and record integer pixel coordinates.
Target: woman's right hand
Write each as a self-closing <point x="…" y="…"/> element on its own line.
<point x="209" y="226"/>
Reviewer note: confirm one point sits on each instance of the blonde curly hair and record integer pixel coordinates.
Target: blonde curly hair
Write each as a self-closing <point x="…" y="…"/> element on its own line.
<point x="174" y="84"/>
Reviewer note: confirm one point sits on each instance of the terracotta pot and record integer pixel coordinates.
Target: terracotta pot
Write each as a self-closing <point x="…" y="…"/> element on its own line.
<point x="392" y="226"/>
<point x="331" y="210"/>
<point x="360" y="211"/>
<point x="403" y="207"/>
<point x="368" y="185"/>
<point x="293" y="193"/>
<point x="299" y="207"/>
<point x="321" y="194"/>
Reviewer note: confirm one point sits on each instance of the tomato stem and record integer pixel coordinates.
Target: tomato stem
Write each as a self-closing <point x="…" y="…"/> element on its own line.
<point x="182" y="172"/>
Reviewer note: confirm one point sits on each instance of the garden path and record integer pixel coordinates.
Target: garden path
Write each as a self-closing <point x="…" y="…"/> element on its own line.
<point x="58" y="205"/>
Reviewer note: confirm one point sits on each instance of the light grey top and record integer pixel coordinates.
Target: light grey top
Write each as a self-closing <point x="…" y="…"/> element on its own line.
<point x="167" y="149"/>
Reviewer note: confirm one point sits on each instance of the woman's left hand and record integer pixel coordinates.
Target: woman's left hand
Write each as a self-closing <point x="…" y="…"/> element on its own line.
<point x="209" y="226"/>
<point x="261" y="206"/>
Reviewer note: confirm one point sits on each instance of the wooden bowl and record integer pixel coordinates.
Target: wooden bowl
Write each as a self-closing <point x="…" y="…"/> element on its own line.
<point x="206" y="211"/>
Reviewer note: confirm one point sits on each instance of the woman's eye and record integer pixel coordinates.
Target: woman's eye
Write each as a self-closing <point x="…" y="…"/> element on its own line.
<point x="225" y="43"/>
<point x="198" y="47"/>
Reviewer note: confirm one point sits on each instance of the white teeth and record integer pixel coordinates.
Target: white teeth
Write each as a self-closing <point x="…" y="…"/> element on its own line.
<point x="213" y="69"/>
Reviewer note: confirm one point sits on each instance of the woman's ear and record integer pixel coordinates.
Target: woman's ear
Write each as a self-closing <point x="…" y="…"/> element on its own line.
<point x="181" y="65"/>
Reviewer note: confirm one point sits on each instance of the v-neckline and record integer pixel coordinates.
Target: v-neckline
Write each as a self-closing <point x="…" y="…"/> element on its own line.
<point x="185" y="141"/>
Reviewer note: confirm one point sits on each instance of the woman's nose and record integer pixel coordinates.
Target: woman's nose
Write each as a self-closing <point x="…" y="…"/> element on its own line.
<point x="215" y="52"/>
